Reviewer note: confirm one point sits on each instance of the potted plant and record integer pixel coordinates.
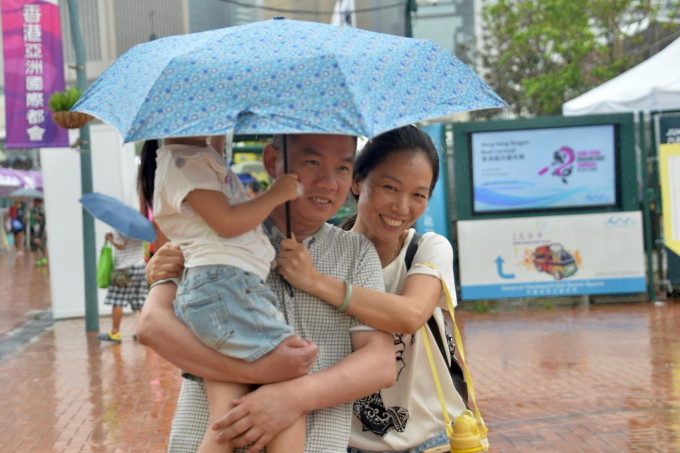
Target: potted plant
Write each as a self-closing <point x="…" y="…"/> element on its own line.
<point x="61" y="103"/>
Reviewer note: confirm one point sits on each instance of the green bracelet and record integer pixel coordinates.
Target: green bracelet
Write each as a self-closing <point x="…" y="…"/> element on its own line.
<point x="348" y="297"/>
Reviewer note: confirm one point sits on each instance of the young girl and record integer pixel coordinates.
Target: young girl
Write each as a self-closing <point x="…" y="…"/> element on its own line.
<point x="202" y="206"/>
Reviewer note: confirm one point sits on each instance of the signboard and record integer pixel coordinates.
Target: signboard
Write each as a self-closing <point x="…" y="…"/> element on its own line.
<point x="669" y="178"/>
<point x="551" y="256"/>
<point x="669" y="168"/>
<point x="548" y="168"/>
<point x="34" y="69"/>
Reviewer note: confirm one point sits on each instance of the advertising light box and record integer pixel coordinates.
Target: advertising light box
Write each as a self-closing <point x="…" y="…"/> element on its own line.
<point x="549" y="168"/>
<point x="549" y="256"/>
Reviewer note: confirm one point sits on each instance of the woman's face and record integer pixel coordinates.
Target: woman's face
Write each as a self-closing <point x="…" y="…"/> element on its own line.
<point x="393" y="195"/>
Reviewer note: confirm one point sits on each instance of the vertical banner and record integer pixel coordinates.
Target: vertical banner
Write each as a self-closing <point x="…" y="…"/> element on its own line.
<point x="669" y="169"/>
<point x="669" y="172"/>
<point x="34" y="69"/>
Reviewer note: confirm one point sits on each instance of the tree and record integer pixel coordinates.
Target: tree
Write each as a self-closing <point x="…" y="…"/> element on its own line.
<point x="541" y="53"/>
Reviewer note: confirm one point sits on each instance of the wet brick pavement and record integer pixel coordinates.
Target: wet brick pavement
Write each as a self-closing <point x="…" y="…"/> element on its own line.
<point x="598" y="379"/>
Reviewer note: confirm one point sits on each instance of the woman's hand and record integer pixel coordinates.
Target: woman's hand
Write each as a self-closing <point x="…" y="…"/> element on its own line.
<point x="167" y="262"/>
<point x="295" y="265"/>
<point x="259" y="416"/>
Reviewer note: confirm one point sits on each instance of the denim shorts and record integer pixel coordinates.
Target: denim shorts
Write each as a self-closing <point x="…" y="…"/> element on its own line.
<point x="439" y="439"/>
<point x="231" y="310"/>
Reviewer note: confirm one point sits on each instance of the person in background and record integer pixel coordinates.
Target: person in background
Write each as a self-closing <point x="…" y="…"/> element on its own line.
<point x="17" y="225"/>
<point x="38" y="233"/>
<point x="254" y="189"/>
<point x="128" y="257"/>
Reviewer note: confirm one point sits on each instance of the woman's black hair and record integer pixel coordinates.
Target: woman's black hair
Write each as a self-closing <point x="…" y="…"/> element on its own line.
<point x="381" y="147"/>
<point x="147" y="171"/>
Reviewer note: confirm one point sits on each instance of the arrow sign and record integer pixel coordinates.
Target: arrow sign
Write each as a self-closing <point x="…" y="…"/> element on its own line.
<point x="499" y="268"/>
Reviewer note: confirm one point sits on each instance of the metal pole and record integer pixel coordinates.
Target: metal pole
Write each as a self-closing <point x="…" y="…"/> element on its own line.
<point x="655" y="187"/>
<point x="646" y="214"/>
<point x="411" y="6"/>
<point x="89" y="249"/>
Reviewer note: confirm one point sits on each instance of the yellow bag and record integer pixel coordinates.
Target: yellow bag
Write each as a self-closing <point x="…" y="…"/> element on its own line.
<point x="467" y="433"/>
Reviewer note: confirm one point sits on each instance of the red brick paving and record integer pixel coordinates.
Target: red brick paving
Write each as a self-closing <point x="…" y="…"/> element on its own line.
<point x="598" y="379"/>
<point x="23" y="289"/>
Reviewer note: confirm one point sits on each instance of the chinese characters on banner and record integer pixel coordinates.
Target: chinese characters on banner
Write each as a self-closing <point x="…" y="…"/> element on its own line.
<point x="34" y="69"/>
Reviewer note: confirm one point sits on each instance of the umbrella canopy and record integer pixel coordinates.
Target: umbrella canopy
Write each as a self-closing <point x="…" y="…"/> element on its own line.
<point x="12" y="179"/>
<point x="282" y="76"/>
<point x="27" y="192"/>
<point x="118" y="215"/>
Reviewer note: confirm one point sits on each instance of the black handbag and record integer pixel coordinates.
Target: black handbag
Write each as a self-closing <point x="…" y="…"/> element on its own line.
<point x="445" y="342"/>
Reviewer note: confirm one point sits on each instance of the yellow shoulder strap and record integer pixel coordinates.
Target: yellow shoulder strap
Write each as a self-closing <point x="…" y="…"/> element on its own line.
<point x="459" y="345"/>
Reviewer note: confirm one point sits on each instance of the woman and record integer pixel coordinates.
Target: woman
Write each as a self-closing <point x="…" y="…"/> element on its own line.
<point x="393" y="178"/>
<point x="145" y="177"/>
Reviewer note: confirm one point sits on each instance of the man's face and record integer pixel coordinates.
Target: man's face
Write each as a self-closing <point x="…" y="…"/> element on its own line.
<point x="323" y="164"/>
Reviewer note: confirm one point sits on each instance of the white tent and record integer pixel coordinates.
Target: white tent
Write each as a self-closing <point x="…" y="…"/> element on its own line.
<point x="654" y="84"/>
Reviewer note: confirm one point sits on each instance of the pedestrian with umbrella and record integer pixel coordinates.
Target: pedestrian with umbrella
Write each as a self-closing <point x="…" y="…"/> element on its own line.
<point x="203" y="207"/>
<point x="128" y="284"/>
<point x="127" y="280"/>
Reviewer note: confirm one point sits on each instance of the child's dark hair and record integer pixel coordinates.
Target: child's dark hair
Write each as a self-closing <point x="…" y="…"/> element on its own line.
<point x="147" y="171"/>
<point x="381" y="147"/>
<point x="255" y="186"/>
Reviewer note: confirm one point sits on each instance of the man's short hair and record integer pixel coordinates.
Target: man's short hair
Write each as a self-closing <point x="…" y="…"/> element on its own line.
<point x="277" y="139"/>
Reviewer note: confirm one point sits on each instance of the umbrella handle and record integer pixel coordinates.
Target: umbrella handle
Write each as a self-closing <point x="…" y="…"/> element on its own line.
<point x="285" y="170"/>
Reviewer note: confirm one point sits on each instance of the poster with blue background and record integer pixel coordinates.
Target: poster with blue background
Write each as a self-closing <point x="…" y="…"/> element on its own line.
<point x="529" y="169"/>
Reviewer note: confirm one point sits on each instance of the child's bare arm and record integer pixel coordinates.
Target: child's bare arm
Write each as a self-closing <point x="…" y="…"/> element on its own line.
<point x="227" y="220"/>
<point x="109" y="237"/>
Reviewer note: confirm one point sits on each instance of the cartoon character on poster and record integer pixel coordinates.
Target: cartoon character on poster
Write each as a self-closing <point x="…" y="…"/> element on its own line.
<point x="563" y="160"/>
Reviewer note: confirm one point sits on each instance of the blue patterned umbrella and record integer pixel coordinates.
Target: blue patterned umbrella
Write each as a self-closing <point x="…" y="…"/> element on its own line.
<point x="282" y="76"/>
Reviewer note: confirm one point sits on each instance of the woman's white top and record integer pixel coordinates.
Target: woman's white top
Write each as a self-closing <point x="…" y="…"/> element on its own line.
<point x="409" y="413"/>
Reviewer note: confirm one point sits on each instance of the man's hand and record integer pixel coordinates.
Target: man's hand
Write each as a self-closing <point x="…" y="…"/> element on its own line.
<point x="167" y="262"/>
<point x="295" y="265"/>
<point x="259" y="416"/>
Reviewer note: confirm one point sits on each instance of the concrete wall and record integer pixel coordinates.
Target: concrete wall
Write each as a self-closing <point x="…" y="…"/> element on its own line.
<point x="114" y="171"/>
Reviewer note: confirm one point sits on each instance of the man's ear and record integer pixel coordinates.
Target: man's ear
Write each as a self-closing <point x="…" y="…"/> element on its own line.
<point x="270" y="160"/>
<point x="355" y="187"/>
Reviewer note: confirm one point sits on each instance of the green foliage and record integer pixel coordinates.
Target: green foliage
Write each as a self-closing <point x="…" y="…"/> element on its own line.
<point x="481" y="306"/>
<point x="547" y="304"/>
<point x="64" y="100"/>
<point x="541" y="53"/>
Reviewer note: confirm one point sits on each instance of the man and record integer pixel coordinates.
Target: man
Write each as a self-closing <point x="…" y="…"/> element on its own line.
<point x="353" y="361"/>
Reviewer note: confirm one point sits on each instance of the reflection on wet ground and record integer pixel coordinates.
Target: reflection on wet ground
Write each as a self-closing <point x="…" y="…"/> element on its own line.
<point x="598" y="379"/>
<point x="604" y="378"/>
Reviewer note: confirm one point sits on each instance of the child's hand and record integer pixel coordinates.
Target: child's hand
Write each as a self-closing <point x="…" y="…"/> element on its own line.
<point x="285" y="188"/>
